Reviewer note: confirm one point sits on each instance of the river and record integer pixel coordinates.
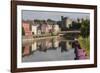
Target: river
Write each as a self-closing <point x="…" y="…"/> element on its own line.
<point x="50" y="49"/>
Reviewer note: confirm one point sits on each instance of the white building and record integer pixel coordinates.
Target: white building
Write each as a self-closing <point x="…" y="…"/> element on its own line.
<point x="34" y="29"/>
<point x="56" y="28"/>
<point x="68" y="22"/>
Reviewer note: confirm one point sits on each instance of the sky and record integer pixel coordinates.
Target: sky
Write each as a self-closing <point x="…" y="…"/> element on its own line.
<point x="44" y="15"/>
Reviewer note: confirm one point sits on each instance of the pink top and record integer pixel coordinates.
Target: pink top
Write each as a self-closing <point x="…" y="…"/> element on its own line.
<point x="81" y="53"/>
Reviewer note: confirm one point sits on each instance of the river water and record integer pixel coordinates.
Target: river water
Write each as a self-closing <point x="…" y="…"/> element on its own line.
<point x="51" y="49"/>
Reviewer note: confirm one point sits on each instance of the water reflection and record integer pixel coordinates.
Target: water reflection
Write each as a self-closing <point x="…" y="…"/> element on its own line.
<point x="51" y="49"/>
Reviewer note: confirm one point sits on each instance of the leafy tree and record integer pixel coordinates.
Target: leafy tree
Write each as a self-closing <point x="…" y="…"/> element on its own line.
<point x="75" y="26"/>
<point x="85" y="28"/>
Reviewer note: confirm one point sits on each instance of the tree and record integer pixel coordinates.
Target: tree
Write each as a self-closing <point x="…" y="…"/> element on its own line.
<point x="85" y="28"/>
<point x="76" y="26"/>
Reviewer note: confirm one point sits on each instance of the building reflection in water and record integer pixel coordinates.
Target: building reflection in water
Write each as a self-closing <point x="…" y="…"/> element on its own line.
<point x="26" y="50"/>
<point x="63" y="46"/>
<point x="45" y="45"/>
<point x="34" y="46"/>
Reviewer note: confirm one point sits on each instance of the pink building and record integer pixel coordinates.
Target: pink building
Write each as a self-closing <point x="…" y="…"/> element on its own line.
<point x="44" y="28"/>
<point x="26" y="26"/>
<point x="50" y="28"/>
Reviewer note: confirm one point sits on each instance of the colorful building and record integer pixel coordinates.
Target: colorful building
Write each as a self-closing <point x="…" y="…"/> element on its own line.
<point x="26" y="28"/>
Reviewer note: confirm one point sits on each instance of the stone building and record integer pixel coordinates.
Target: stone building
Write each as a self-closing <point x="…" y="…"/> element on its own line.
<point x="67" y="22"/>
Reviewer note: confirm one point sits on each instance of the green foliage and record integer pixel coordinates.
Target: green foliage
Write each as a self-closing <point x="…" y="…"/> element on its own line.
<point x="75" y="26"/>
<point x="85" y="43"/>
<point x="85" y="28"/>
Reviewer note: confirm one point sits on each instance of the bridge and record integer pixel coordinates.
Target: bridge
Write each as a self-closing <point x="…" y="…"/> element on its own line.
<point x="74" y="31"/>
<point x="49" y="34"/>
<point x="46" y="36"/>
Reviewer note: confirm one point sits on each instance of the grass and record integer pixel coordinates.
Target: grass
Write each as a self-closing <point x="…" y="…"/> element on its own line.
<point x="85" y="43"/>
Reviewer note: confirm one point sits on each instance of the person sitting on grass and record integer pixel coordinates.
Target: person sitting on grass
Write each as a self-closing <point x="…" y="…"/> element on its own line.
<point x="80" y="53"/>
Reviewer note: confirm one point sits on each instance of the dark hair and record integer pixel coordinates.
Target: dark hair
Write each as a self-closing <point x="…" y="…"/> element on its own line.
<point x="77" y="45"/>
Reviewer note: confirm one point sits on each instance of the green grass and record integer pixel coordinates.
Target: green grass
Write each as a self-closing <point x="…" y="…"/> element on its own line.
<point x="85" y="43"/>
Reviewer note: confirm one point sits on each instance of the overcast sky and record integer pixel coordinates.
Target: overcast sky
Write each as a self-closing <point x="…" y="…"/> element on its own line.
<point x="44" y="15"/>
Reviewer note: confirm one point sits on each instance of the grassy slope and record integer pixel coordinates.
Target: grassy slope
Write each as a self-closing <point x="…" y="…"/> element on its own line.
<point x="85" y="43"/>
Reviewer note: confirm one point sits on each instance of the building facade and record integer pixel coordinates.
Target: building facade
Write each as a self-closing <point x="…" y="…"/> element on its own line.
<point x="26" y="28"/>
<point x="66" y="22"/>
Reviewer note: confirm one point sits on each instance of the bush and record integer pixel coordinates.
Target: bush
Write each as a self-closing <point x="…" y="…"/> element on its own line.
<point x="85" y="43"/>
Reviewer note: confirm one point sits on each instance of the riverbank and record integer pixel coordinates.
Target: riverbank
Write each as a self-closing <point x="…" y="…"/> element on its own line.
<point x="85" y="43"/>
